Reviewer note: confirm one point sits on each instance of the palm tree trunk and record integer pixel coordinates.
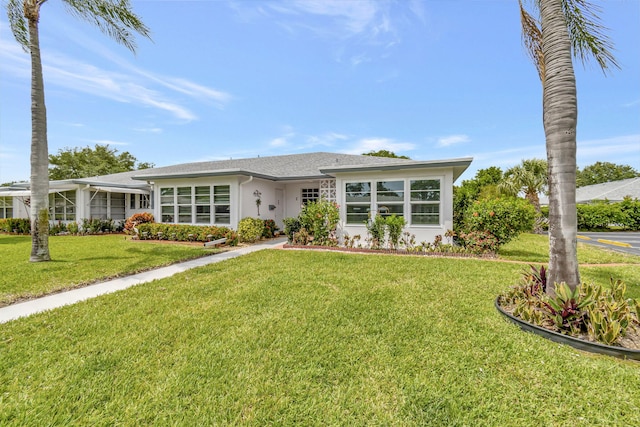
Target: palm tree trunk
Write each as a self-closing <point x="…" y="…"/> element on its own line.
<point x="39" y="147"/>
<point x="560" y="121"/>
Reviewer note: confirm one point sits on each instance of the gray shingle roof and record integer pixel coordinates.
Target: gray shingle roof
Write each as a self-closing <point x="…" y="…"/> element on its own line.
<point x="614" y="191"/>
<point x="288" y="167"/>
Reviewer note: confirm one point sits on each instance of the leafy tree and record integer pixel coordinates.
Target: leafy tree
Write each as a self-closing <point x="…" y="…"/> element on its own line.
<point x="600" y="172"/>
<point x="113" y="17"/>
<point x="384" y="153"/>
<point x="483" y="185"/>
<point x="84" y="162"/>
<point x="564" y="28"/>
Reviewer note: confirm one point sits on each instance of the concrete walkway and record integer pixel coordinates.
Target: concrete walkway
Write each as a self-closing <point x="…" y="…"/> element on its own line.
<point x="50" y="302"/>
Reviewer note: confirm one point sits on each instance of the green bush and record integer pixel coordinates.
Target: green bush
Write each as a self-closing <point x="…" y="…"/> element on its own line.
<point x="630" y="209"/>
<point x="15" y="225"/>
<point x="270" y="229"/>
<point x="395" y="224"/>
<point x="250" y="229"/>
<point x="186" y="233"/>
<point x="504" y="218"/>
<point x="599" y="216"/>
<point x="377" y="232"/>
<point x="320" y="220"/>
<point x="135" y="219"/>
<point x="291" y="227"/>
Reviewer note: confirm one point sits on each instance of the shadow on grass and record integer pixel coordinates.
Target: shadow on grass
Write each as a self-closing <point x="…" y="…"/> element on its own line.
<point x="523" y="255"/>
<point x="8" y="240"/>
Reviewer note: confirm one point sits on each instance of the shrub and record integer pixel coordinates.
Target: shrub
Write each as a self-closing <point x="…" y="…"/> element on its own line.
<point x="58" y="228"/>
<point x="479" y="242"/>
<point x="503" y="218"/>
<point x="376" y="228"/>
<point x="135" y="219"/>
<point x="605" y="315"/>
<point x="291" y="227"/>
<point x="186" y="233"/>
<point x="250" y="229"/>
<point x="395" y="224"/>
<point x="15" y="225"/>
<point x="73" y="228"/>
<point x="630" y="213"/>
<point x="320" y="219"/>
<point x="96" y="225"/>
<point x="270" y="228"/>
<point x="599" y="216"/>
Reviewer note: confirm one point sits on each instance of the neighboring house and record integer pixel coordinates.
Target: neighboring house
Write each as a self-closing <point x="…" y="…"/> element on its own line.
<point x="614" y="191"/>
<point x="223" y="192"/>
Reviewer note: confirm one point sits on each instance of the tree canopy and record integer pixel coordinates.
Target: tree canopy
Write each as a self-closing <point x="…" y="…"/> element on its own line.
<point x="84" y="162"/>
<point x="600" y="172"/>
<point x="384" y="153"/>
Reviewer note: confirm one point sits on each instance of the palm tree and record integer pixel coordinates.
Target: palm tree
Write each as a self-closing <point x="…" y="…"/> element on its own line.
<point x="113" y="17"/>
<point x="565" y="27"/>
<point x="529" y="177"/>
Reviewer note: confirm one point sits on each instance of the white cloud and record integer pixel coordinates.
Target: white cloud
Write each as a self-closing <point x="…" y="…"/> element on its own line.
<point x="366" y="145"/>
<point x="123" y="83"/>
<point x="590" y="151"/>
<point x="447" y="141"/>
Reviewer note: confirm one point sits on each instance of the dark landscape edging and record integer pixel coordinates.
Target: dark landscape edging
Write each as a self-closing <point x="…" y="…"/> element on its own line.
<point x="591" y="347"/>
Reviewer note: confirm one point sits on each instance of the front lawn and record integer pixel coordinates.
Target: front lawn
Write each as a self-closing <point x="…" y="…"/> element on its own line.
<point x="78" y="260"/>
<point x="307" y="338"/>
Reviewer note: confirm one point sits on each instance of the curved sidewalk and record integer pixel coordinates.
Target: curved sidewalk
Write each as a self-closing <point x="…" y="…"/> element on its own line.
<point x="50" y="302"/>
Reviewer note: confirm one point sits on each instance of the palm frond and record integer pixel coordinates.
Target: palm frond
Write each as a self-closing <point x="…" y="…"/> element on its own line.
<point x="115" y="18"/>
<point x="18" y="22"/>
<point x="588" y="36"/>
<point x="532" y="39"/>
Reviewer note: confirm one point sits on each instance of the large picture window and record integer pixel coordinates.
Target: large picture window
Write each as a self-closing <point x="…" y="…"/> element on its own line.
<point x="425" y="202"/>
<point x="418" y="200"/>
<point x="358" y="202"/>
<point x="195" y="205"/>
<point x="63" y="206"/>
<point x="6" y="207"/>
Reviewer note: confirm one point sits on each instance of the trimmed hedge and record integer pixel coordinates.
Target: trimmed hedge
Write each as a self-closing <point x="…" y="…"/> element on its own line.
<point x="15" y="225"/>
<point x="186" y="233"/>
<point x="604" y="215"/>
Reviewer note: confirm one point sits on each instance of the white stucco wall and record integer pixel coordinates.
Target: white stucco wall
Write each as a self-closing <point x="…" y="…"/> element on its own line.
<point x="425" y="233"/>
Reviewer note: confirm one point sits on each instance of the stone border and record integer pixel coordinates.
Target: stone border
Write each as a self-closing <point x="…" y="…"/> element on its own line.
<point x="591" y="347"/>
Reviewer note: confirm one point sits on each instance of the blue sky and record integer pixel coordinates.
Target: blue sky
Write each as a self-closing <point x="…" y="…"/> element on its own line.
<point x="431" y="79"/>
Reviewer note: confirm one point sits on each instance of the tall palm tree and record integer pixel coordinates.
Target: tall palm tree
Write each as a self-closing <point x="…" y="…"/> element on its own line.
<point x="529" y="177"/>
<point x="113" y="17"/>
<point x="565" y="27"/>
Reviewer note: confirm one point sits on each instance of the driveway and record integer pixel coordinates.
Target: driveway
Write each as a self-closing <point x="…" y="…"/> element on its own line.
<point x="628" y="242"/>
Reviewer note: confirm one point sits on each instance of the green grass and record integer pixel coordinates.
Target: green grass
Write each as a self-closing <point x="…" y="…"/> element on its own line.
<point x="307" y="338"/>
<point x="78" y="260"/>
<point x="535" y="248"/>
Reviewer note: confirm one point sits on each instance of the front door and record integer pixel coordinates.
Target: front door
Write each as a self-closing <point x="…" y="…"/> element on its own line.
<point x="279" y="214"/>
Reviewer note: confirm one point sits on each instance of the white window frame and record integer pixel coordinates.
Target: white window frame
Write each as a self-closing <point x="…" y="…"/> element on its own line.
<point x="348" y="203"/>
<point x="309" y="195"/>
<point x="407" y="203"/>
<point x="68" y="209"/>
<point x="6" y="207"/>
<point x="218" y="199"/>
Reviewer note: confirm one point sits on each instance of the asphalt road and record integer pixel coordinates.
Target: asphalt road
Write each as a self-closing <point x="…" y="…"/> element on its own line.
<point x="628" y="242"/>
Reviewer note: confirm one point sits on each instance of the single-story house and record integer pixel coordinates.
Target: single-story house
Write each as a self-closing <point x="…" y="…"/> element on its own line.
<point x="614" y="191"/>
<point x="223" y="192"/>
